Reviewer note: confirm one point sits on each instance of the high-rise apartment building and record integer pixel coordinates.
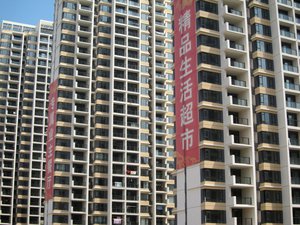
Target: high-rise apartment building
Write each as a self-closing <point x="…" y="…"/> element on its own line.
<point x="25" y="68"/>
<point x="110" y="149"/>
<point x="248" y="92"/>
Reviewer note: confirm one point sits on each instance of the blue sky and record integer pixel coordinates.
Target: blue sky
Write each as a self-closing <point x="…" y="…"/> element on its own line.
<point x="26" y="11"/>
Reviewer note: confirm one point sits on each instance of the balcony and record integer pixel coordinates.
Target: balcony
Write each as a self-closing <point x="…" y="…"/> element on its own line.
<point x="241" y="221"/>
<point x="240" y="160"/>
<point x="245" y="201"/>
<point x="233" y="28"/>
<point x="285" y="17"/>
<point x="287" y="34"/>
<point x="240" y="142"/>
<point x="290" y="68"/>
<point x="234" y="45"/>
<point x="295" y="105"/>
<point x="285" y="2"/>
<point x="240" y="180"/>
<point x="291" y="86"/>
<point x="289" y="51"/>
<point x="237" y="83"/>
<point x="233" y="11"/>
<point x="295" y="160"/>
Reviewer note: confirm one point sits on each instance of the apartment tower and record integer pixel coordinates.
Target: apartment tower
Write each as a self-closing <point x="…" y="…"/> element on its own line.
<point x="110" y="134"/>
<point x="25" y="68"/>
<point x="248" y="102"/>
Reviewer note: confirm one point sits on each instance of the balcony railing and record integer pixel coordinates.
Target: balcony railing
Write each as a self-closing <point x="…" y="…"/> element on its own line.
<point x="287" y="33"/>
<point x="289" y="51"/>
<point x="243" y="160"/>
<point x="296" y="200"/>
<point x="237" y="101"/>
<point x="236" y="46"/>
<point x="285" y="17"/>
<point x="235" y="28"/>
<point x="238" y="120"/>
<point x="241" y="140"/>
<point x="244" y="200"/>
<point x="234" y="11"/>
<point x="293" y="105"/>
<point x="237" y="64"/>
<point x="243" y="180"/>
<point x="292" y="86"/>
<point x="290" y="68"/>
<point x="285" y="2"/>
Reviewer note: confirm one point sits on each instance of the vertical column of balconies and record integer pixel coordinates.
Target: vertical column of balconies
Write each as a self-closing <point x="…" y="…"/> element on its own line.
<point x="101" y="207"/>
<point x="267" y="103"/>
<point x="239" y="144"/>
<point x="161" y="93"/>
<point x="287" y="80"/>
<point x="211" y="168"/>
<point x="35" y="80"/>
<point x="168" y="184"/>
<point x="75" y="23"/>
<point x="11" y="49"/>
<point x="147" y="103"/>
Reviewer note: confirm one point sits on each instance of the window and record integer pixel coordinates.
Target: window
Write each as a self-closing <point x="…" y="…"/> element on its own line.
<point x="69" y="16"/>
<point x="268" y="137"/>
<point x="70" y="5"/>
<point x="207" y="6"/>
<point x="211" y="135"/>
<point x="67" y="48"/>
<point x="213" y="216"/>
<point x="211" y="154"/>
<point x="271" y="216"/>
<point x="65" y="59"/>
<point x="67" y="37"/>
<point x="215" y="175"/>
<point x="269" y="157"/>
<point x="263" y="63"/>
<point x="208" y="58"/>
<point x="211" y="115"/>
<point x="104" y="19"/>
<point x="267" y="118"/>
<point x="68" y="26"/>
<point x="264" y="99"/>
<point x="210" y="96"/>
<point x="271" y="196"/>
<point x="207" y="23"/>
<point x="259" y="12"/>
<point x="263" y="81"/>
<point x="261" y="29"/>
<point x="209" y="77"/>
<point x="212" y="195"/>
<point x="270" y="176"/>
<point x="208" y="41"/>
<point x="105" y="8"/>
<point x="262" y="46"/>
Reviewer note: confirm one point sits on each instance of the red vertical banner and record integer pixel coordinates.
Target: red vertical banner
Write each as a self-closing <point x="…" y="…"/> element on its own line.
<point x="51" y="132"/>
<point x="186" y="84"/>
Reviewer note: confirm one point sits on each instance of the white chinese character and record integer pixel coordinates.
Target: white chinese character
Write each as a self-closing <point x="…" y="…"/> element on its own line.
<point x="185" y="67"/>
<point x="52" y="102"/>
<point x="186" y="114"/>
<point x="48" y="181"/>
<point x="51" y="118"/>
<point x="185" y="21"/>
<point x="50" y="134"/>
<point x="185" y="44"/>
<point x="187" y="139"/>
<point x="50" y="151"/>
<point x="49" y="166"/>
<point x="186" y="90"/>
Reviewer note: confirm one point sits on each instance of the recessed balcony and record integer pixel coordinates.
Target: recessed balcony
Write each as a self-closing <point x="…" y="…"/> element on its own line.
<point x="240" y="181"/>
